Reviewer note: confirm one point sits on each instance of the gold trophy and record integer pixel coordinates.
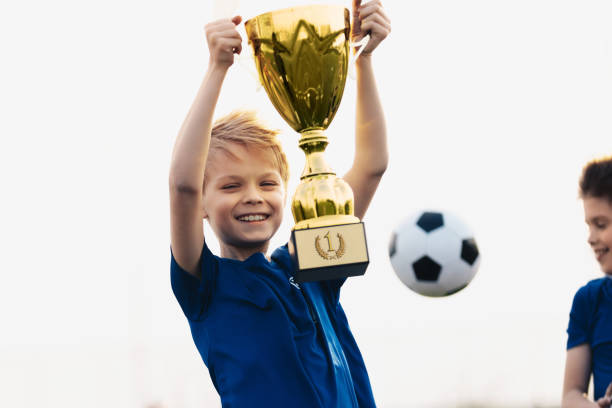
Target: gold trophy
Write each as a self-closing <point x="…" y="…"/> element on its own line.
<point x="302" y="57"/>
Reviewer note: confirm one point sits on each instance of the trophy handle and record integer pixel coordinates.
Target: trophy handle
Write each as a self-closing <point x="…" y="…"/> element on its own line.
<point x="245" y="59"/>
<point x="361" y="44"/>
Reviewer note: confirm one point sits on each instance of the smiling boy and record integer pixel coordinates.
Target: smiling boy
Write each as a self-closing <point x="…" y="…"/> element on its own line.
<point x="244" y="185"/>
<point x="267" y="341"/>
<point x="589" y="344"/>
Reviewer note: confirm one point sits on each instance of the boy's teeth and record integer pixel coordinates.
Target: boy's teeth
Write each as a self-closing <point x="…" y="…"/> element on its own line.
<point x="252" y="218"/>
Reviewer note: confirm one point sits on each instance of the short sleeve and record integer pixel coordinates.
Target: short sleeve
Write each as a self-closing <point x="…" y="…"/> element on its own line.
<point x="193" y="294"/>
<point x="578" y="327"/>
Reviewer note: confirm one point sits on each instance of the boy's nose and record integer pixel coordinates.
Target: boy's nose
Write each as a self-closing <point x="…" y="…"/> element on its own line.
<point x="253" y="200"/>
<point x="252" y="196"/>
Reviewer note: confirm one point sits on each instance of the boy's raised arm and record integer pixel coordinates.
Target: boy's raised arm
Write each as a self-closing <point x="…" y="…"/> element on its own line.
<point x="191" y="148"/>
<point x="371" y="156"/>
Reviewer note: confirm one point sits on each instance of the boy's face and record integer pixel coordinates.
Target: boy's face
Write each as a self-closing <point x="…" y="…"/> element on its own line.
<point x="598" y="216"/>
<point x="243" y="198"/>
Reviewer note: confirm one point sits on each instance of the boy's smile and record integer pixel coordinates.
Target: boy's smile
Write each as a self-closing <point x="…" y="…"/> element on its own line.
<point x="598" y="216"/>
<point x="252" y="217"/>
<point x="243" y="199"/>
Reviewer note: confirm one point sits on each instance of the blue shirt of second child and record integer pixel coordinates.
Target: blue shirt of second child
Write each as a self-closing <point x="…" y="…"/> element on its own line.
<point x="268" y="341"/>
<point x="591" y="323"/>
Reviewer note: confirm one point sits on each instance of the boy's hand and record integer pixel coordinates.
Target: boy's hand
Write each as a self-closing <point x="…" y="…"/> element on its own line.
<point x="223" y="41"/>
<point x="606" y="400"/>
<point x="370" y="18"/>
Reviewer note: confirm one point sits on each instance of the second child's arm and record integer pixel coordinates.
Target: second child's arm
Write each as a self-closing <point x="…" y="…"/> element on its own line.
<point x="576" y="380"/>
<point x="191" y="148"/>
<point x="371" y="156"/>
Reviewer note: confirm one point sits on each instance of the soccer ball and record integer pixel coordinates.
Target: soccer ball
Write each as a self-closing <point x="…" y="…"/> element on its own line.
<point x="434" y="253"/>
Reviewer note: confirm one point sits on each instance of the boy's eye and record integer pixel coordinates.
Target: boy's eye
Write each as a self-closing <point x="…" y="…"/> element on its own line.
<point x="229" y="186"/>
<point x="269" y="183"/>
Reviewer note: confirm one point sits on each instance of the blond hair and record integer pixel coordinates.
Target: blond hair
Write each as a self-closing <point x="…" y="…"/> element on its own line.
<point x="243" y="128"/>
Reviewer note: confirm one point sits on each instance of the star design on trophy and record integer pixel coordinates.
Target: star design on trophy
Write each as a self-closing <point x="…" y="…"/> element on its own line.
<point x="304" y="71"/>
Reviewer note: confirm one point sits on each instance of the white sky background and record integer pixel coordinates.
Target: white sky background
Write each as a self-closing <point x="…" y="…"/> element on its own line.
<point x="492" y="109"/>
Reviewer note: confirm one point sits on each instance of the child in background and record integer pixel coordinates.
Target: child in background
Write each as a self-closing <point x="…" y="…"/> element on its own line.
<point x="589" y="344"/>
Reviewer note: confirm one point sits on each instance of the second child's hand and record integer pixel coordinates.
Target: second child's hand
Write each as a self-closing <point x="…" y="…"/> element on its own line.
<point x="223" y="41"/>
<point x="606" y="400"/>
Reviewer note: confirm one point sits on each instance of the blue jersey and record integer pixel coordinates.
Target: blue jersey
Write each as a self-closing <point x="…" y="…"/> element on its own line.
<point x="268" y="341"/>
<point x="591" y="323"/>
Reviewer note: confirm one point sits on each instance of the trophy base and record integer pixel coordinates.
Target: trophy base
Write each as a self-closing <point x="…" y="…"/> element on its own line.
<point x="329" y="252"/>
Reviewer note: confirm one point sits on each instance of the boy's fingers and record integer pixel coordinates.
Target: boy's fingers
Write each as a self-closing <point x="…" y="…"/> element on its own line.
<point x="231" y="33"/>
<point x="372" y="3"/>
<point x="604" y="402"/>
<point x="218" y="26"/>
<point x="214" y="37"/>
<point x="230" y="43"/>
<point x="223" y="38"/>
<point x="377" y="32"/>
<point x="376" y="25"/>
<point x="224" y="23"/>
<point x="227" y="44"/>
<point x="370" y="9"/>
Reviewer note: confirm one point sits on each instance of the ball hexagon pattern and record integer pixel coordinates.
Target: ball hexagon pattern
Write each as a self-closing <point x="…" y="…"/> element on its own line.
<point x="434" y="253"/>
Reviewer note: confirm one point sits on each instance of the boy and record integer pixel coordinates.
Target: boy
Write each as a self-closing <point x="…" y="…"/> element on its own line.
<point x="589" y="344"/>
<point x="266" y="340"/>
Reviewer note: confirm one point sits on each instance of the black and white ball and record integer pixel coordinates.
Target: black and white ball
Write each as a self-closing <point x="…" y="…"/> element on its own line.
<point x="434" y="253"/>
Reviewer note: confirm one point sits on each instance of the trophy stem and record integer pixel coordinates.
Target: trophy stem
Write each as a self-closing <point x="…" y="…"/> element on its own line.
<point x="313" y="144"/>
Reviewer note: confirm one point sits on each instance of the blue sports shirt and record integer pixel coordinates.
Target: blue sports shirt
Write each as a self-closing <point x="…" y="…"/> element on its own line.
<point x="591" y="322"/>
<point x="268" y="341"/>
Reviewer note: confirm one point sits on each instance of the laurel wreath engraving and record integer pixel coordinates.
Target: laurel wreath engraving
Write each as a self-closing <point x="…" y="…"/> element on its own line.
<point x="337" y="254"/>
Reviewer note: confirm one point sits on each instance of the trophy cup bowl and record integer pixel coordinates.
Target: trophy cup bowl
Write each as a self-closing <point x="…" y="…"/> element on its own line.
<point x="302" y="57"/>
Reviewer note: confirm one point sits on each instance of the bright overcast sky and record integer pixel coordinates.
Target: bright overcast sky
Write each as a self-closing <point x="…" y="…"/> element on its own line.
<point x="492" y="109"/>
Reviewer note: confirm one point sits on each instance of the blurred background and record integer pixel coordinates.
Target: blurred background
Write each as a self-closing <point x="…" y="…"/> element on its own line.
<point x="493" y="107"/>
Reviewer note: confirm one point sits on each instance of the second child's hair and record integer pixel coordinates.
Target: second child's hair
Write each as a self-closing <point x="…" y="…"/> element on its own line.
<point x="596" y="179"/>
<point x="243" y="128"/>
